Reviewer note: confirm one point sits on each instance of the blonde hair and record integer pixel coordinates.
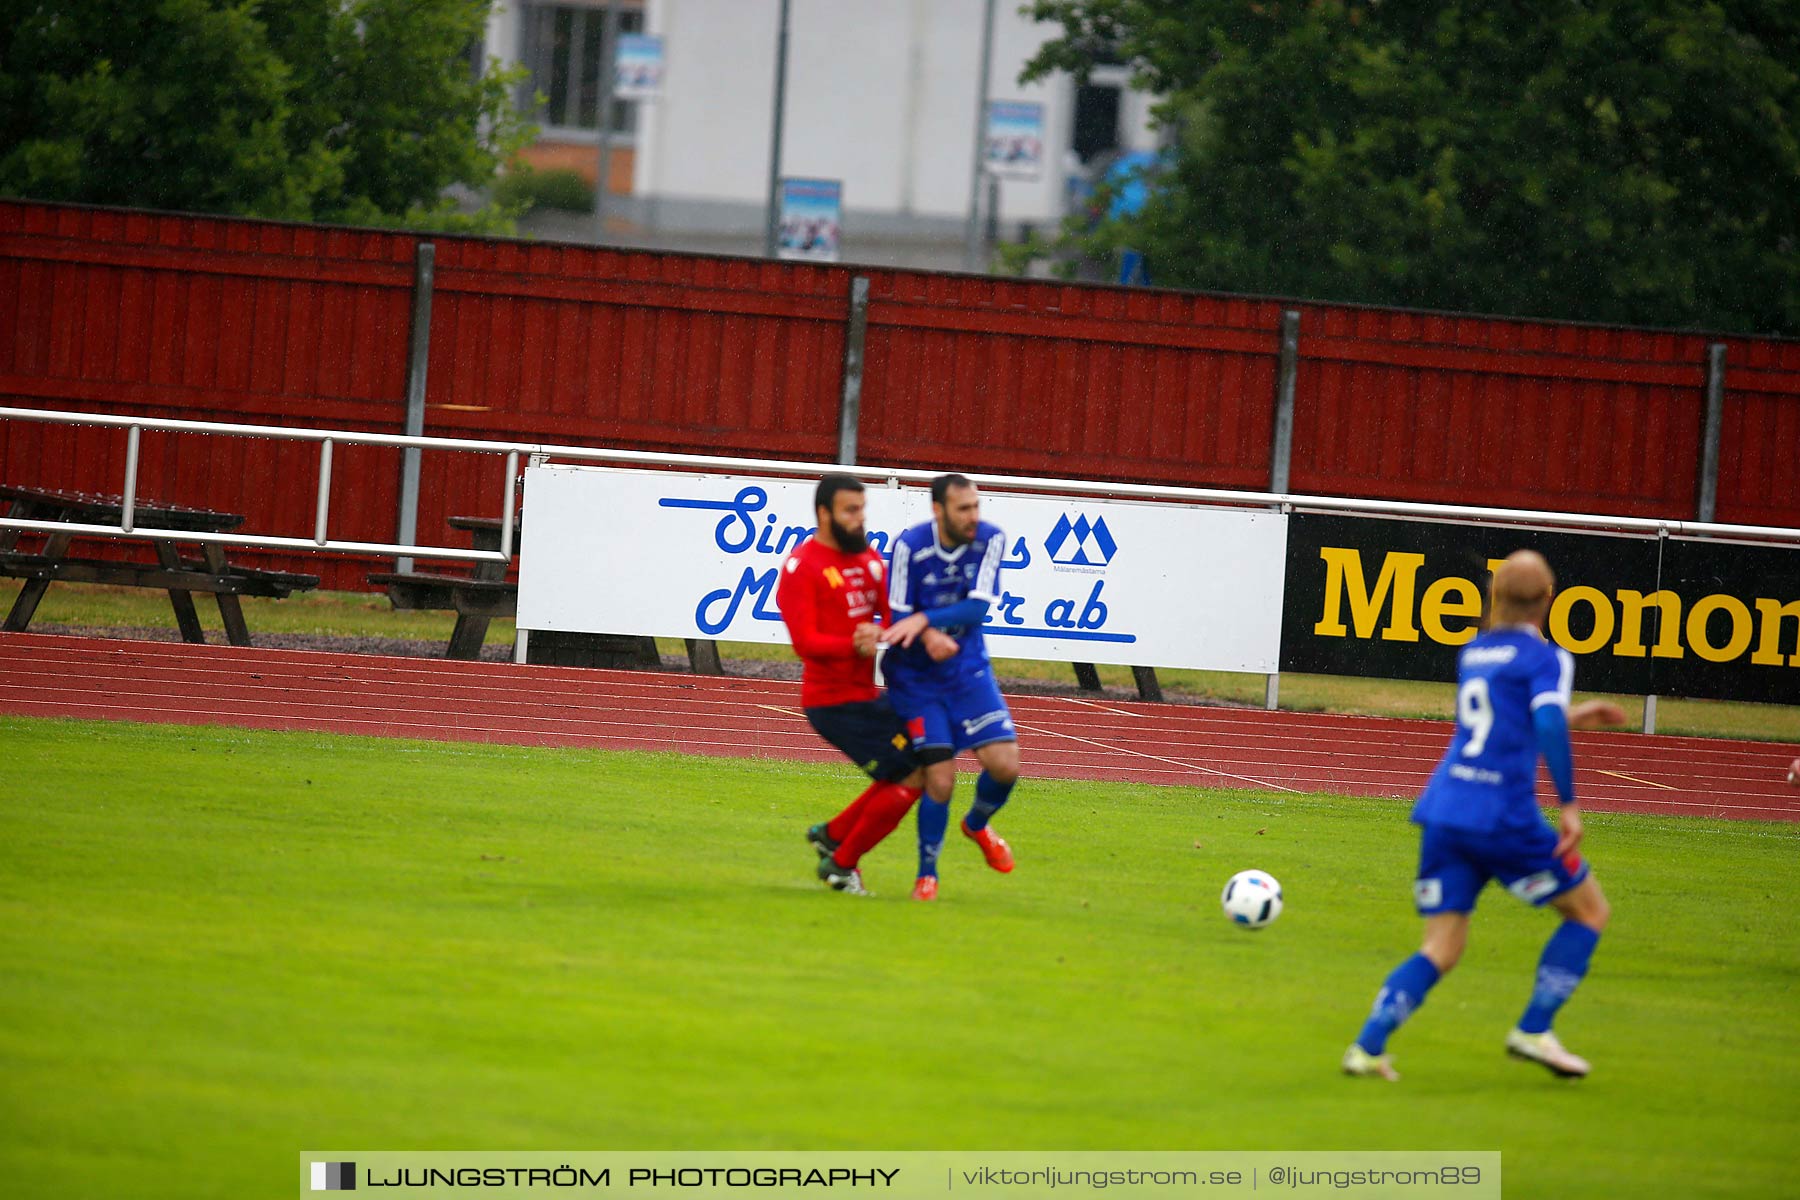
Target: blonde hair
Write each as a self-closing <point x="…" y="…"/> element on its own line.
<point x="1521" y="589"/>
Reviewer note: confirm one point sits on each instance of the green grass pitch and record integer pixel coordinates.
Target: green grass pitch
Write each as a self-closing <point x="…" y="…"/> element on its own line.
<point x="218" y="948"/>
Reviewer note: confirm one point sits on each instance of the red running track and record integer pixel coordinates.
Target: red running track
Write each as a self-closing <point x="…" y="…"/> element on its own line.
<point x="1060" y="737"/>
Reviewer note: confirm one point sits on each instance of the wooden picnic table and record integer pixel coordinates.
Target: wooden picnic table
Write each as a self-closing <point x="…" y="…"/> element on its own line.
<point x="606" y="648"/>
<point x="213" y="572"/>
<point x="486" y="594"/>
<point x="477" y="598"/>
<point x="484" y="534"/>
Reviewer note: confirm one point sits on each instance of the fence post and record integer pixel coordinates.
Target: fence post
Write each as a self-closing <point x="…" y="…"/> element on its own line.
<point x="1281" y="446"/>
<point x="1706" y="504"/>
<point x="1281" y="452"/>
<point x="856" y="334"/>
<point x="1709" y="436"/>
<point x="418" y="361"/>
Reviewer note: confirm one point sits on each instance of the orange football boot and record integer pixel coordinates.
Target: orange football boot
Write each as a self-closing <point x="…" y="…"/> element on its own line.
<point x="993" y="847"/>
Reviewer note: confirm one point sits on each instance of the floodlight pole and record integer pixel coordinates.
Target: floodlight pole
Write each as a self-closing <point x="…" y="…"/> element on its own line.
<point x="972" y="233"/>
<point x="772" y="213"/>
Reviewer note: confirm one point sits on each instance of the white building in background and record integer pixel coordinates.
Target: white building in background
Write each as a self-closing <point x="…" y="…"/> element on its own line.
<point x="881" y="94"/>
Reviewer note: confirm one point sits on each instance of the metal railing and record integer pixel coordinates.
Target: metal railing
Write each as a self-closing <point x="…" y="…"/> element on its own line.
<point x="328" y="439"/>
<point x="538" y="452"/>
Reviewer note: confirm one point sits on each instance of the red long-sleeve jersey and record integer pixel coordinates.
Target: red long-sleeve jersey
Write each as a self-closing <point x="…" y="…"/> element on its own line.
<point x="824" y="594"/>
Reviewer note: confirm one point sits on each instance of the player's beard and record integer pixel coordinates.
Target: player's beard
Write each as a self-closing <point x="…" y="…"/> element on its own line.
<point x="850" y="541"/>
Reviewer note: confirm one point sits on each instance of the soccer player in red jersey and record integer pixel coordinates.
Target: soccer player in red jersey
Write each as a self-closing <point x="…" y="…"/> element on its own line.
<point x="832" y="593"/>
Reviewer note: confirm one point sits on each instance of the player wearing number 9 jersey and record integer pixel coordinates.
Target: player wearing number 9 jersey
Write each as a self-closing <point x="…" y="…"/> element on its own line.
<point x="1479" y="820"/>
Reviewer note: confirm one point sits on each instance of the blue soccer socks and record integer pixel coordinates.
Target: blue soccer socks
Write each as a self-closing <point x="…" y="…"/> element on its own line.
<point x="990" y="796"/>
<point x="1398" y="999"/>
<point x="1562" y="967"/>
<point x="934" y="819"/>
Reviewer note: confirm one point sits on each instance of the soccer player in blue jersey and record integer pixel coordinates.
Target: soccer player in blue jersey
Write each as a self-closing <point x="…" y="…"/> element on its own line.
<point x="943" y="575"/>
<point x="1479" y="821"/>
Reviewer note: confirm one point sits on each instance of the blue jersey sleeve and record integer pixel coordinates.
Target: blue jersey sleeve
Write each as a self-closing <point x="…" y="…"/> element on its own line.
<point x="964" y="612"/>
<point x="1552" y="678"/>
<point x="986" y="584"/>
<point x="900" y="598"/>
<point x="1552" y="725"/>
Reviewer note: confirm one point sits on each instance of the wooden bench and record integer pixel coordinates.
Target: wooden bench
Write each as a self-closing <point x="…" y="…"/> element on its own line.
<point x="475" y="602"/>
<point x="213" y="573"/>
<point x="485" y="594"/>
<point x="190" y="575"/>
<point x="476" y="598"/>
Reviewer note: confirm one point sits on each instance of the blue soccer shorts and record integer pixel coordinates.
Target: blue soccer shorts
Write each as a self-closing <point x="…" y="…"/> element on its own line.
<point x="945" y="719"/>
<point x="1455" y="864"/>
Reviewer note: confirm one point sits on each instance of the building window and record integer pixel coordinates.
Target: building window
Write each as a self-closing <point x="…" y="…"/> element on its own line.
<point x="562" y="47"/>
<point x="1096" y="120"/>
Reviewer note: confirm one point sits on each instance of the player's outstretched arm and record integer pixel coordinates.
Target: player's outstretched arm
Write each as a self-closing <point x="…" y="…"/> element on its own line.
<point x="969" y="611"/>
<point x="903" y="631"/>
<point x="1596" y="714"/>
<point x="1552" y="726"/>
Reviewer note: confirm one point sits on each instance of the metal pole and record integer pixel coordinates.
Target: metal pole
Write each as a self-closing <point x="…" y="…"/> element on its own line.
<point x="855" y="335"/>
<point x="1709" y="440"/>
<point x="324" y="492"/>
<point x="418" y="360"/>
<point x="1281" y="454"/>
<point x="772" y="213"/>
<point x="603" y="84"/>
<point x="1281" y="447"/>
<point x="128" y="515"/>
<point x="1662" y="548"/>
<point x="991" y="238"/>
<point x="509" y="504"/>
<point x="972" y="234"/>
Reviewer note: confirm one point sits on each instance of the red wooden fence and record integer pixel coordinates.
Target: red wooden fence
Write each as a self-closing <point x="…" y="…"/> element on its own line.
<point x="259" y="322"/>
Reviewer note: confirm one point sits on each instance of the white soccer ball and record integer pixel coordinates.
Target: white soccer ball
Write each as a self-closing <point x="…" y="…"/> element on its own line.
<point x="1252" y="899"/>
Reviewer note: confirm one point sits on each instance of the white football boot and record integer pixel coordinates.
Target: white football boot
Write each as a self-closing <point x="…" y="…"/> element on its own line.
<point x="1546" y="1051"/>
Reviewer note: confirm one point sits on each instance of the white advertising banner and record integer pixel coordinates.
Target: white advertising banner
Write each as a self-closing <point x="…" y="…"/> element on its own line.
<point x="696" y="556"/>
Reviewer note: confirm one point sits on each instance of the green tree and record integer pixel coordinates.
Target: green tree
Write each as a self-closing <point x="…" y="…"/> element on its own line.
<point x="1614" y="160"/>
<point x="361" y="111"/>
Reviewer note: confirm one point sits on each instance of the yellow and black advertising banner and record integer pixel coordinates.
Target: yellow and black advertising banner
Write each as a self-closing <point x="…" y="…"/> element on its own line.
<point x="1393" y="599"/>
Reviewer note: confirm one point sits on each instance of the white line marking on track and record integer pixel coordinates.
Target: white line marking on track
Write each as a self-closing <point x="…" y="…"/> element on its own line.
<point x="786" y="712"/>
<point x="1101" y="707"/>
<point x="1173" y="762"/>
<point x="1633" y="778"/>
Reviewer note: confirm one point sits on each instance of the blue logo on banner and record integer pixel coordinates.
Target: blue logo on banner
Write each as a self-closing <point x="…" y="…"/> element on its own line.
<point x="745" y="525"/>
<point x="1081" y="543"/>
